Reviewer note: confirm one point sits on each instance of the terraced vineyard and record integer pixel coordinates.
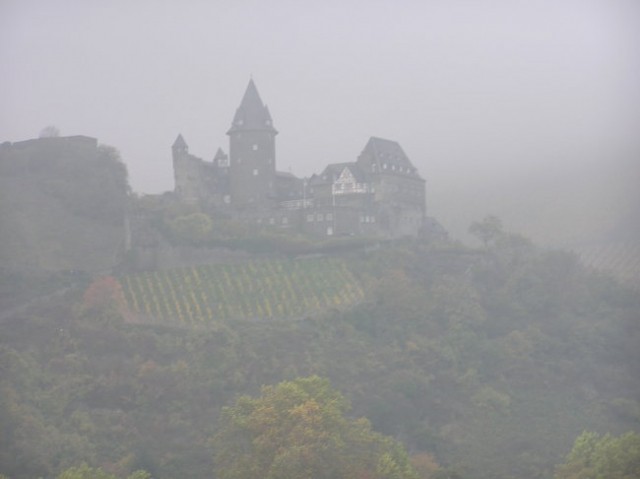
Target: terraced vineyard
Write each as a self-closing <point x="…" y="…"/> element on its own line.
<point x="622" y="260"/>
<point x="253" y="290"/>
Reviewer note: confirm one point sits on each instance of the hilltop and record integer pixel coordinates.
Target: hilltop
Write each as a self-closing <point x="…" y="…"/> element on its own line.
<point x="490" y="361"/>
<point x="62" y="205"/>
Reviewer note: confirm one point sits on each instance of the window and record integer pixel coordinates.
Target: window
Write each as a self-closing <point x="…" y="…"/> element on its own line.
<point x="255" y="147"/>
<point x="255" y="172"/>
<point x="384" y="166"/>
<point x="329" y="216"/>
<point x="310" y="218"/>
<point x="272" y="221"/>
<point x="329" y="231"/>
<point x="320" y="217"/>
<point x="226" y="199"/>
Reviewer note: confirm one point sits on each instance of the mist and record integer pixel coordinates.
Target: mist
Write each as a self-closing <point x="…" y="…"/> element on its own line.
<point x="332" y="326"/>
<point x="484" y="98"/>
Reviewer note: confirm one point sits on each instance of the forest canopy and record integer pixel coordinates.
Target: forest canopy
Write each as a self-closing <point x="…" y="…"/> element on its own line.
<point x="299" y="429"/>
<point x="483" y="363"/>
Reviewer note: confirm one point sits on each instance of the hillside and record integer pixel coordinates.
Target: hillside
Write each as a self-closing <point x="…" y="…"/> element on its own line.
<point x="265" y="289"/>
<point x="493" y="361"/>
<point x="487" y="361"/>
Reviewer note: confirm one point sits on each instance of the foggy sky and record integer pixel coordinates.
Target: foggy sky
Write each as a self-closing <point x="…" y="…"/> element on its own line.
<point x="475" y="92"/>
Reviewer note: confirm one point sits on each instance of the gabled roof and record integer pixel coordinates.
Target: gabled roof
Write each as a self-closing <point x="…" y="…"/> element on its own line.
<point x="333" y="171"/>
<point x="180" y="143"/>
<point x="252" y="114"/>
<point x="388" y="156"/>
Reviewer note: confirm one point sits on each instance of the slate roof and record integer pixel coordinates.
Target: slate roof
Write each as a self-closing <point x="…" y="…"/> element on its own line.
<point x="252" y="114"/>
<point x="180" y="143"/>
<point x="383" y="152"/>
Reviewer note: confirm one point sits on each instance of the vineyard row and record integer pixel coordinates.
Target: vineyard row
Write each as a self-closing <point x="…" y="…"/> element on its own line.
<point x="256" y="290"/>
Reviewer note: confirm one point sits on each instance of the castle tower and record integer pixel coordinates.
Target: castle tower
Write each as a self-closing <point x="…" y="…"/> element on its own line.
<point x="252" y="152"/>
<point x="184" y="170"/>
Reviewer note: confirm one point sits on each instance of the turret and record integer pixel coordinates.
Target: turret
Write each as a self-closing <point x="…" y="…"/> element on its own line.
<point x="180" y="146"/>
<point x="185" y="171"/>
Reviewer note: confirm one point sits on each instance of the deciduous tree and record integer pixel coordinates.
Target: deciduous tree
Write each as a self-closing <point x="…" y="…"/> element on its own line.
<point x="602" y="457"/>
<point x="298" y="429"/>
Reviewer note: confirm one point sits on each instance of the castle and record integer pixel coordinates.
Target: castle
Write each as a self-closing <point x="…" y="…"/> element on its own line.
<point x="379" y="194"/>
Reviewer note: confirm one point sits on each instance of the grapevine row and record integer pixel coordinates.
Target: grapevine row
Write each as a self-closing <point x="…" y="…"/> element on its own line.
<point x="255" y="290"/>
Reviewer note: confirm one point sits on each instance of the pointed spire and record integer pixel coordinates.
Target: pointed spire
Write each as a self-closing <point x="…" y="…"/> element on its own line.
<point x="219" y="154"/>
<point x="180" y="144"/>
<point x="252" y="114"/>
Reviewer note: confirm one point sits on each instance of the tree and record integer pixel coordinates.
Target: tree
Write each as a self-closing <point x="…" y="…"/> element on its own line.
<point x="193" y="227"/>
<point x="488" y="230"/>
<point x="298" y="429"/>
<point x="606" y="457"/>
<point x="49" y="132"/>
<point x="86" y="472"/>
<point x="105" y="300"/>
